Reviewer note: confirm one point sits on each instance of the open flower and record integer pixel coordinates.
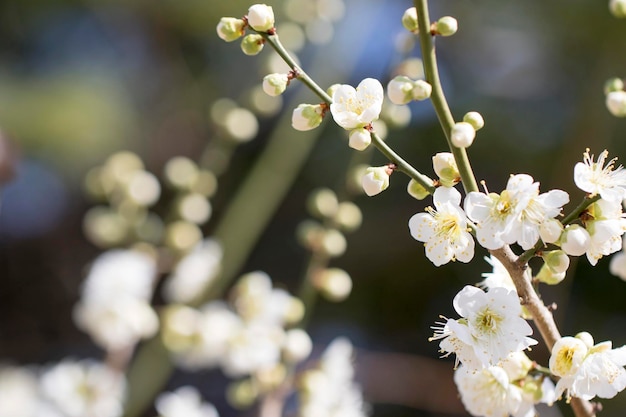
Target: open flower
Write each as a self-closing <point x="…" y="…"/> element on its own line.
<point x="491" y="325"/>
<point x="597" y="178"/>
<point x="444" y="229"/>
<point x="353" y="108"/>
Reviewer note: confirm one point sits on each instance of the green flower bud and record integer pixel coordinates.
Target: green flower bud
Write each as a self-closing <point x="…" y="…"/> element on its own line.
<point x="252" y="44"/>
<point x="618" y="8"/>
<point x="409" y="20"/>
<point x="613" y="84"/>
<point x="475" y="119"/>
<point x="556" y="260"/>
<point x="421" y="90"/>
<point x="400" y="90"/>
<point x="230" y="28"/>
<point x="359" y="139"/>
<point x="446" y="26"/>
<point x="548" y="276"/>
<point x="462" y="134"/>
<point x="446" y="169"/>
<point x="306" y="117"/>
<point x="416" y="190"/>
<point x="275" y="84"/>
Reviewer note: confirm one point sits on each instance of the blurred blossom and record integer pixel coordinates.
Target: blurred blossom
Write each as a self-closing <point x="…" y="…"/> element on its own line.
<point x="83" y="389"/>
<point x="328" y="390"/>
<point x="184" y="402"/>
<point x="18" y="392"/>
<point x="194" y="273"/>
<point x="114" y="308"/>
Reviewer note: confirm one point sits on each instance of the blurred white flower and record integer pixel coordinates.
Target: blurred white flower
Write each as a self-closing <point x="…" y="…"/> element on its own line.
<point x="194" y="273"/>
<point x="84" y="389"/>
<point x="329" y="389"/>
<point x="18" y="392"/>
<point x="184" y="402"/>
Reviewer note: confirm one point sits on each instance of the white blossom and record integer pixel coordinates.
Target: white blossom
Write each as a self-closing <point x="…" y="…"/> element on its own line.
<point x="515" y="215"/>
<point x="19" y="395"/>
<point x="462" y="134"/>
<point x="261" y="17"/>
<point x="353" y="108"/>
<point x="444" y="229"/>
<point x="601" y="177"/>
<point x="617" y="266"/>
<point x="375" y="180"/>
<point x="488" y="392"/>
<point x="575" y="240"/>
<point x="194" y="272"/>
<point x="491" y="325"/>
<point x="84" y="388"/>
<point x="184" y="402"/>
<point x="498" y="277"/>
<point x="328" y="390"/>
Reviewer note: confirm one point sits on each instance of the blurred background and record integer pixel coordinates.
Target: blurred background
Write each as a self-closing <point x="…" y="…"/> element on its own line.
<point x="80" y="80"/>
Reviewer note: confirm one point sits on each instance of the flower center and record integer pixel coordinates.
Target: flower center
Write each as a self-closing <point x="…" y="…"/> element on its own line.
<point x="488" y="321"/>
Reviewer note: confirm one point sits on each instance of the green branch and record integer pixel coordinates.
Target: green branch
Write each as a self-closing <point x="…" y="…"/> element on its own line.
<point x="437" y="96"/>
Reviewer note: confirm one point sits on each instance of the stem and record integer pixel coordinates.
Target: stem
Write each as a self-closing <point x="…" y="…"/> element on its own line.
<point x="437" y="96"/>
<point x="393" y="157"/>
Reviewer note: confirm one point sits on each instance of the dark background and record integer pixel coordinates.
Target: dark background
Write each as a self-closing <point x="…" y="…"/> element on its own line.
<point x="80" y="80"/>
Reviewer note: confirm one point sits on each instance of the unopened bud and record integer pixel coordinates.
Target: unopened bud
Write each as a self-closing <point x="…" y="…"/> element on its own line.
<point x="409" y="20"/>
<point x="400" y="90"/>
<point x="586" y="337"/>
<point x="334" y="284"/>
<point x="297" y="346"/>
<point x="375" y="180"/>
<point x="616" y="103"/>
<point x="306" y="117"/>
<point x="446" y="169"/>
<point x="252" y="44"/>
<point x="348" y="216"/>
<point x="446" y="26"/>
<point x="618" y="8"/>
<point x="475" y="119"/>
<point x="462" y="134"/>
<point x="421" y="90"/>
<point x="417" y="190"/>
<point x="333" y="243"/>
<point x="556" y="260"/>
<point x="548" y="276"/>
<point x="322" y="203"/>
<point x="613" y="84"/>
<point x="550" y="230"/>
<point x="230" y="28"/>
<point x="275" y="84"/>
<point x="261" y="17"/>
<point x="359" y="139"/>
<point x="575" y="240"/>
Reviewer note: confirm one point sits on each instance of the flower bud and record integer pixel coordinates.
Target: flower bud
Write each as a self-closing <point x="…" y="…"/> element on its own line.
<point x="575" y="240"/>
<point x="297" y="346"/>
<point x="462" y="134"/>
<point x="334" y="284"/>
<point x="331" y="90"/>
<point x="409" y="20"/>
<point x="446" y="26"/>
<point x="556" y="260"/>
<point x="348" y="216"/>
<point x="446" y="169"/>
<point x="242" y="394"/>
<point x="618" y="8"/>
<point x="550" y="230"/>
<point x="375" y="180"/>
<point x="306" y="117"/>
<point x="359" y="139"/>
<point x="616" y="103"/>
<point x="230" y="28"/>
<point x="548" y="276"/>
<point x="475" y="119"/>
<point x="613" y="84"/>
<point x="586" y="337"/>
<point x="252" y="44"/>
<point x="322" y="203"/>
<point x="417" y="190"/>
<point x="333" y="243"/>
<point x="421" y="90"/>
<point x="261" y="17"/>
<point x="275" y="84"/>
<point x="400" y="90"/>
